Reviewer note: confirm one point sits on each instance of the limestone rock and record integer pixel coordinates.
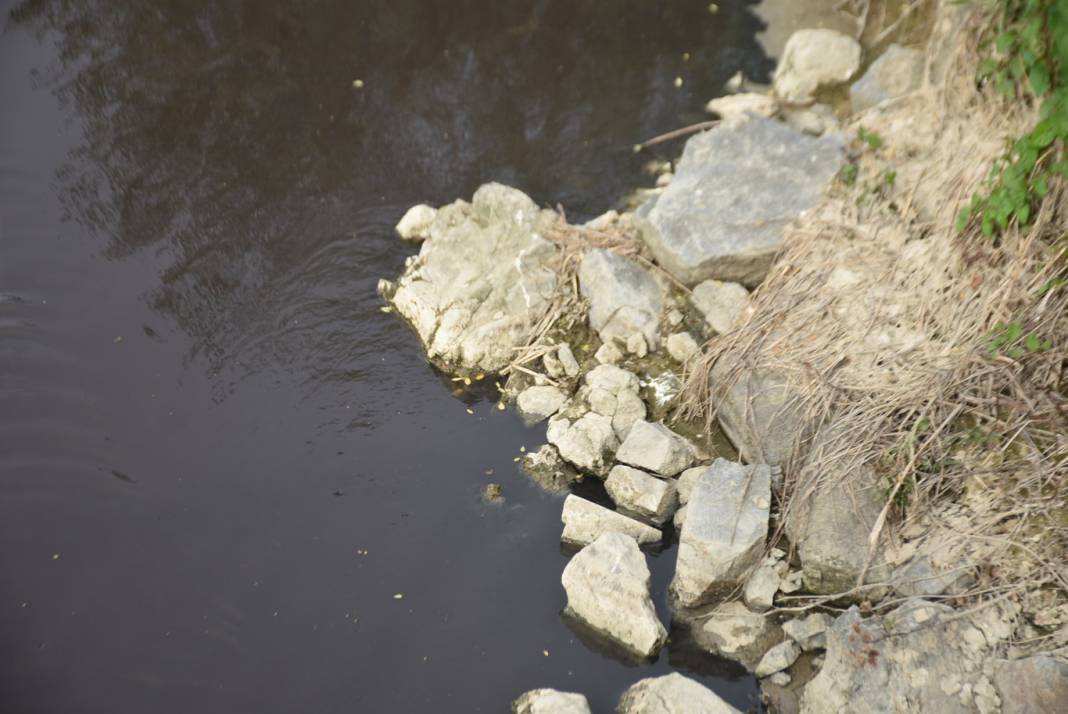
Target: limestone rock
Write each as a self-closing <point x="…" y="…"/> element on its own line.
<point x="585" y="521"/>
<point x="815" y="120"/>
<point x="809" y="632"/>
<point x="682" y="346"/>
<point x="914" y="659"/>
<point x="672" y="694"/>
<point x="637" y="345"/>
<point x="724" y="533"/>
<point x="1032" y="685"/>
<point x="654" y="447"/>
<point x="550" y="701"/>
<point x="721" y="303"/>
<point x="812" y="60"/>
<point x="735" y="189"/>
<point x="608" y="353"/>
<point x="546" y="468"/>
<point x="686" y="481"/>
<point x="482" y="282"/>
<point x="760" y="588"/>
<point x="567" y="360"/>
<point x="624" y="297"/>
<point x="638" y="492"/>
<point x="733" y="631"/>
<point x="680" y="518"/>
<point x="897" y="71"/>
<point x="738" y="108"/>
<point x="415" y="223"/>
<point x="918" y="578"/>
<point x="778" y="658"/>
<point x="613" y="392"/>
<point x="760" y="413"/>
<point x="607" y="586"/>
<point x="588" y="442"/>
<point x="537" y="404"/>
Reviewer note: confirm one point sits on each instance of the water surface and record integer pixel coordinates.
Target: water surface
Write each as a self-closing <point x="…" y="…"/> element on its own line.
<point x="220" y="462"/>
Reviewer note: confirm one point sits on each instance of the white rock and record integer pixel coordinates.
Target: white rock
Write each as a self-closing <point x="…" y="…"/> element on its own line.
<point x="674" y="317"/>
<point x="809" y="632"/>
<point x="791" y="583"/>
<point x="584" y="521"/>
<point x="682" y="346"/>
<point x="415" y="224"/>
<point x="686" y="481"/>
<point x="734" y="632"/>
<point x="608" y="353"/>
<point x="726" y="526"/>
<point x="654" y="447"/>
<point x="607" y="586"/>
<point x="814" y="59"/>
<point x="624" y="297"/>
<point x="638" y="492"/>
<point x="537" y="404"/>
<point x="815" y="120"/>
<point x="780" y="679"/>
<point x="736" y="108"/>
<point x="637" y="345"/>
<point x="760" y="589"/>
<point x="567" y="360"/>
<point x="613" y="392"/>
<point x="672" y="694"/>
<point x="550" y="701"/>
<point x="588" y="442"/>
<point x="778" y="658"/>
<point x="897" y="71"/>
<point x="721" y="303"/>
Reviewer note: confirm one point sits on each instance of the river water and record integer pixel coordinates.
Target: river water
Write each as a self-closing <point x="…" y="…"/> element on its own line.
<point x="228" y="481"/>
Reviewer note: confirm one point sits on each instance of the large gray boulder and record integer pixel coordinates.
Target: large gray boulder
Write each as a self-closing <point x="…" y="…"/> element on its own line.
<point x="638" y="492"/>
<point x="918" y="658"/>
<point x="672" y="694"/>
<point x="721" y="303"/>
<point x="898" y="71"/>
<point x="724" y="532"/>
<point x="735" y="190"/>
<point x="656" y="448"/>
<point x="761" y="414"/>
<point x="481" y="281"/>
<point x="813" y="60"/>
<point x="585" y="521"/>
<point x="735" y="632"/>
<point x="607" y="585"/>
<point x="624" y="297"/>
<point x="550" y="701"/>
<point x="1032" y="685"/>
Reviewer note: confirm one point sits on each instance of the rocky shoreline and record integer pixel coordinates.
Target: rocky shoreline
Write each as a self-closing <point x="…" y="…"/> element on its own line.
<point x="596" y="337"/>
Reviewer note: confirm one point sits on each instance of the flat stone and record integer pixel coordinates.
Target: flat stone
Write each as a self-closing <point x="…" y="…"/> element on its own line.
<point x="608" y="353"/>
<point x="720" y="303"/>
<point x="482" y="282"/>
<point x="735" y="632"/>
<point x="778" y="658"/>
<point x="585" y="521"/>
<point x="918" y="578"/>
<point x="567" y="360"/>
<point x="624" y="297"/>
<point x="896" y="72"/>
<point x="537" y="404"/>
<point x="686" y="481"/>
<point x="735" y="190"/>
<point x="760" y="588"/>
<point x="415" y="224"/>
<point x="760" y="413"/>
<point x="682" y="346"/>
<point x="672" y="694"/>
<point x="1031" y="685"/>
<point x="638" y="492"/>
<point x="654" y="447"/>
<point x="809" y="632"/>
<point x="588" y="442"/>
<point x="724" y="533"/>
<point x="607" y="585"/>
<point x="814" y="60"/>
<point x="550" y="701"/>
<point x="920" y="657"/>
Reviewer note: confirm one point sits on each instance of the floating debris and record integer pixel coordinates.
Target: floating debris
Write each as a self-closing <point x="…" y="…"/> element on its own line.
<point x="469" y="410"/>
<point x="493" y="492"/>
<point x="357" y="84"/>
<point x="398" y="596"/>
<point x="678" y="82"/>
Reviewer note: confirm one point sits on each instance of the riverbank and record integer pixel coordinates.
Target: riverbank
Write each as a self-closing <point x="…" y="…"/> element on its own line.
<point x="797" y="282"/>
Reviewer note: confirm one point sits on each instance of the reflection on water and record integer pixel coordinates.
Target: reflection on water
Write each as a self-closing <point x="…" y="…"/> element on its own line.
<point x="206" y="414"/>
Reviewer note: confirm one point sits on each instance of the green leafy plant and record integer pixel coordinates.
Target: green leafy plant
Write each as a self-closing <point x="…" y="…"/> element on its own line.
<point x="871" y="138"/>
<point x="1028" y="57"/>
<point x="1009" y="339"/>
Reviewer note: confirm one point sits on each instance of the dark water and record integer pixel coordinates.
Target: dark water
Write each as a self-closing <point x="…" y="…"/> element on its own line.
<point x="219" y="461"/>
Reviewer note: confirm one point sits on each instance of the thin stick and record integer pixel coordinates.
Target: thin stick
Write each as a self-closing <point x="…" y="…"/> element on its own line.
<point x="675" y="134"/>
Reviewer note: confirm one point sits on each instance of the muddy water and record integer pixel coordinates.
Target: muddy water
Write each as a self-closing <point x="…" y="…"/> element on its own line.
<point x="228" y="482"/>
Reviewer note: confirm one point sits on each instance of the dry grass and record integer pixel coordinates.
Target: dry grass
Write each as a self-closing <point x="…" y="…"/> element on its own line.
<point x="880" y="315"/>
